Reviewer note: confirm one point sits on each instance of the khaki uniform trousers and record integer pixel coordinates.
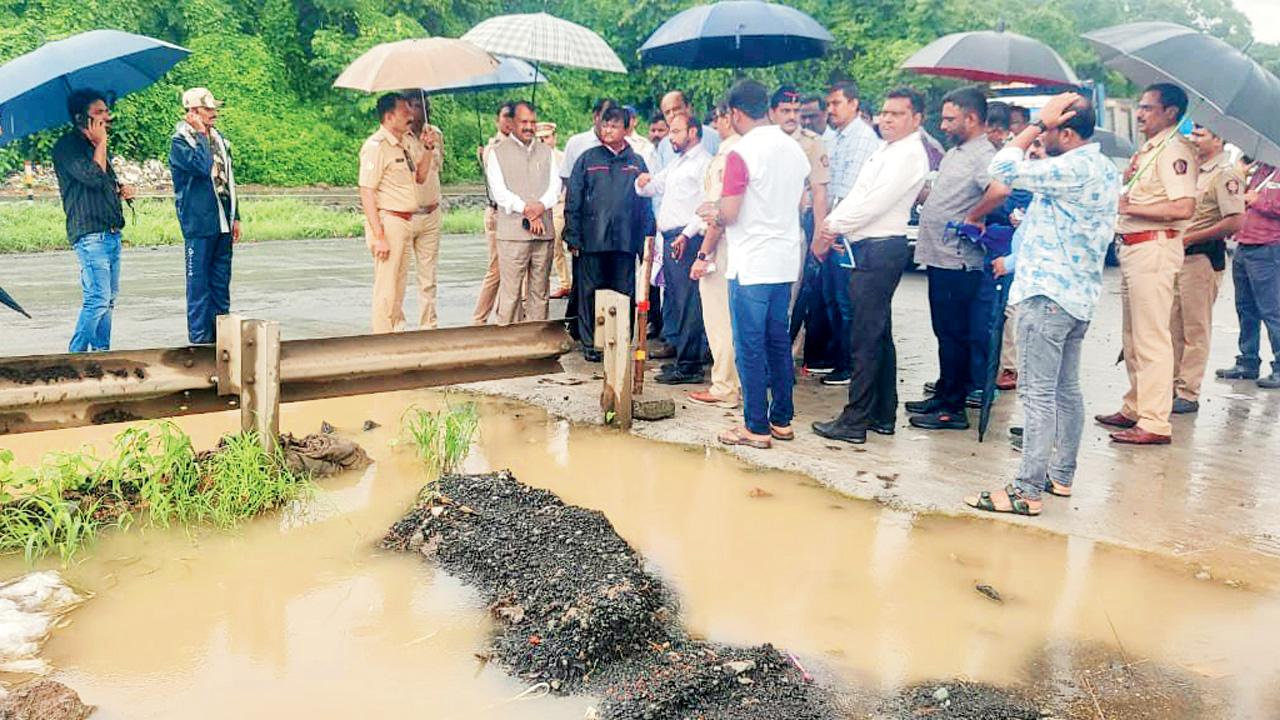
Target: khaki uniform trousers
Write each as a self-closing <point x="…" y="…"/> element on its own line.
<point x="525" y="272"/>
<point x="561" y="263"/>
<point x="489" y="285"/>
<point x="1191" y="328"/>
<point x="714" y="289"/>
<point x="426" y="254"/>
<point x="389" y="275"/>
<point x="1009" y="343"/>
<point x="1147" y="272"/>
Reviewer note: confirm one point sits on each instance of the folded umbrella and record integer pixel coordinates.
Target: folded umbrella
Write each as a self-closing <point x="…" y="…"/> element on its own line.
<point x="993" y="56"/>
<point x="996" y="342"/>
<point x="1231" y="94"/>
<point x="7" y="299"/>
<point x="736" y="34"/>
<point x="542" y="38"/>
<point x="34" y="87"/>
<point x="416" y="63"/>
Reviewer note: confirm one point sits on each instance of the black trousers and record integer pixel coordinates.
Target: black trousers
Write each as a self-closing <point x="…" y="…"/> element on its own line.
<point x="684" y="306"/>
<point x="810" y="311"/>
<point x="873" y="384"/>
<point x="600" y="271"/>
<point x="952" y="296"/>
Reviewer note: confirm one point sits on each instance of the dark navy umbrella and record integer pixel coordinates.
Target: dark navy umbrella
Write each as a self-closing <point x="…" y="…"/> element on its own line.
<point x="510" y="73"/>
<point x="34" y="87"/>
<point x="996" y="241"/>
<point x="736" y="34"/>
<point x="7" y="299"/>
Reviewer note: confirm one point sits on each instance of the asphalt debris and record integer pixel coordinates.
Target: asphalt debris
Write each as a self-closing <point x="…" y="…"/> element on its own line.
<point x="959" y="700"/>
<point x="575" y="608"/>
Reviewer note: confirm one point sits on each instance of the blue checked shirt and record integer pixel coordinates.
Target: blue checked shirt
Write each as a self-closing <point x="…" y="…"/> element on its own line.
<point x="1068" y="227"/>
<point x="848" y="150"/>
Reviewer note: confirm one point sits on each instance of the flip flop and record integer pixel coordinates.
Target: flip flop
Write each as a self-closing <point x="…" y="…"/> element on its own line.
<point x="1019" y="505"/>
<point x="1049" y="488"/>
<point x="734" y="437"/>
<point x="784" y="435"/>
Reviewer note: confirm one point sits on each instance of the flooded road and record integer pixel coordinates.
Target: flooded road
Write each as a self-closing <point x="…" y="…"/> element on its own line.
<point x="300" y="615"/>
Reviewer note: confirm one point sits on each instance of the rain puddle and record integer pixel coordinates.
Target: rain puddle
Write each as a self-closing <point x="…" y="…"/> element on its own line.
<point x="300" y="615"/>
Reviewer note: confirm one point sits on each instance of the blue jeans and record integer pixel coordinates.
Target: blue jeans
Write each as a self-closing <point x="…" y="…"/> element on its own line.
<point x="763" y="347"/>
<point x="1255" y="271"/>
<point x="99" y="255"/>
<point x="1049" y="342"/>
<point x="839" y="305"/>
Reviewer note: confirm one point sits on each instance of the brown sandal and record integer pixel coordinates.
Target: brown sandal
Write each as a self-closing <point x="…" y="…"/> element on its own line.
<point x="734" y="436"/>
<point x="783" y="434"/>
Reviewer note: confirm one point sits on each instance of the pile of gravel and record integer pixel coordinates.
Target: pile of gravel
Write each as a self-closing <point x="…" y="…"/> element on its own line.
<point x="576" y="609"/>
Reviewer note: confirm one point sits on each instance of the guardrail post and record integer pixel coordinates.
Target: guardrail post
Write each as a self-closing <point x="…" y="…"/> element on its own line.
<point x="260" y="380"/>
<point x="613" y="337"/>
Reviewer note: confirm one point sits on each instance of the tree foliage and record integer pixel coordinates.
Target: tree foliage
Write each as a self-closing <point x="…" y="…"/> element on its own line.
<point x="274" y="62"/>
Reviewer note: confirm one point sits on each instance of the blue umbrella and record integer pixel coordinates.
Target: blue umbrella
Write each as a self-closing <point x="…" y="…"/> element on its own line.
<point x="511" y="72"/>
<point x="736" y="34"/>
<point x="34" y="87"/>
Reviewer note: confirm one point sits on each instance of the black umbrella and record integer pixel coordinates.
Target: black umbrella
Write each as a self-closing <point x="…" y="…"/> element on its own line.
<point x="736" y="34"/>
<point x="7" y="299"/>
<point x="992" y="56"/>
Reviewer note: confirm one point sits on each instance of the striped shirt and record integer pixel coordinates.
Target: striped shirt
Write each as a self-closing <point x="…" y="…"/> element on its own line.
<point x="848" y="150"/>
<point x="90" y="195"/>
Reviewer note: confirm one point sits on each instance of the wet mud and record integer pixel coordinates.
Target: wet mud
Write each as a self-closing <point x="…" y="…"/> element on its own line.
<point x="575" y="608"/>
<point x="50" y="373"/>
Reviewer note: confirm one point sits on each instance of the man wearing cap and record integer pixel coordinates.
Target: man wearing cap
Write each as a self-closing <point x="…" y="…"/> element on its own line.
<point x="427" y="142"/>
<point x="546" y="133"/>
<point x="1158" y="203"/>
<point x="204" y="190"/>
<point x="523" y="182"/>
<point x="1219" y="214"/>
<point x="389" y="179"/>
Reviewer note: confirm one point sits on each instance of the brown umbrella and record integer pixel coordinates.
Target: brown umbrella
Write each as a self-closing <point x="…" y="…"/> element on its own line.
<point x="417" y="63"/>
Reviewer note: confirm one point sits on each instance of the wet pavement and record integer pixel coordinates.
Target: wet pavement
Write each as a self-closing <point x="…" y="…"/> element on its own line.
<point x="1211" y="499"/>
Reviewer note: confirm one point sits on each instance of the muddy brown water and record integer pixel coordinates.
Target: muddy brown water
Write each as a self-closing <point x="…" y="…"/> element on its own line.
<point x="300" y="614"/>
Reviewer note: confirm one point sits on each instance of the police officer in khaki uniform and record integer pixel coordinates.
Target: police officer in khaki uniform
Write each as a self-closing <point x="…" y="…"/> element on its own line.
<point x="427" y="142"/>
<point x="488" y="297"/>
<point x="546" y="133"/>
<point x="1157" y="206"/>
<point x="389" y="197"/>
<point x="1219" y="214"/>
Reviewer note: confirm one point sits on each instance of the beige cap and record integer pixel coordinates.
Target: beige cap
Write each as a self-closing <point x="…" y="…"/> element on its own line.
<point x="544" y="129"/>
<point x="199" y="98"/>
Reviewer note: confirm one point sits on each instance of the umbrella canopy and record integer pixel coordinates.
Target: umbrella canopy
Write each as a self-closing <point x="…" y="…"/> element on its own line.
<point x="34" y="87"/>
<point x="1231" y="94"/>
<point x="511" y="72"/>
<point x="736" y="34"/>
<point x="7" y="299"/>
<point x="993" y="56"/>
<point x="543" y="38"/>
<point x="415" y="63"/>
<point x="1113" y="146"/>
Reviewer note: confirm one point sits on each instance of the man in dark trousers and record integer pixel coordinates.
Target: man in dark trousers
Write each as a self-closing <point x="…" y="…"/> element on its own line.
<point x="204" y="190"/>
<point x="607" y="224"/>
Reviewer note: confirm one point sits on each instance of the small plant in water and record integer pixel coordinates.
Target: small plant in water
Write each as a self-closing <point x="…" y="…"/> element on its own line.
<point x="154" y="477"/>
<point x="443" y="438"/>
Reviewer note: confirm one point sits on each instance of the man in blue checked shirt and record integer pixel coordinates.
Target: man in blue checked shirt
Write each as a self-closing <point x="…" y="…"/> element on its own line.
<point x="1064" y="239"/>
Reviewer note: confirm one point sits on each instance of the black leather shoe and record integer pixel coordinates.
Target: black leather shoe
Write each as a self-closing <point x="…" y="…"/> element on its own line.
<point x="882" y="429"/>
<point x="678" y="378"/>
<point x="1183" y="406"/>
<point x="835" y="431"/>
<point x="1015" y="431"/>
<point x="659" y="350"/>
<point x="1237" y="372"/>
<point x="1270" y="382"/>
<point x="593" y="356"/>
<point x="922" y="407"/>
<point x="941" y="420"/>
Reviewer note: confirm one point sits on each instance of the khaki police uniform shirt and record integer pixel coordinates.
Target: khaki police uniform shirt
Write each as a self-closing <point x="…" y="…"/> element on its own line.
<point x="1220" y="193"/>
<point x="384" y="168"/>
<point x="1168" y="171"/>
<point x="819" y="164"/>
<point x="429" y="190"/>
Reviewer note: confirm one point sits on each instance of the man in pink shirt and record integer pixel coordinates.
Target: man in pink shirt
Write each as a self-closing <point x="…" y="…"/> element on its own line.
<point x="1255" y="270"/>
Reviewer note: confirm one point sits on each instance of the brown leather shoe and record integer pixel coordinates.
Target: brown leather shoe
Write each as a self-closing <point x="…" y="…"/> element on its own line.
<point x="1115" y="420"/>
<point x="1008" y="380"/>
<point x="1138" y="436"/>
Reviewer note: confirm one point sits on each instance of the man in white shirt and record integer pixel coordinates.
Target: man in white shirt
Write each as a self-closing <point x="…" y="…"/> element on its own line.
<point x="873" y="220"/>
<point x="585" y="140"/>
<point x="764" y="180"/>
<point x="681" y="182"/>
<point x="524" y="185"/>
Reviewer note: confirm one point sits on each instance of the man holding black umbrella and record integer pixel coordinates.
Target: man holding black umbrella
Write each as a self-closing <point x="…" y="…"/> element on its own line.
<point x="1158" y="204"/>
<point x="91" y="196"/>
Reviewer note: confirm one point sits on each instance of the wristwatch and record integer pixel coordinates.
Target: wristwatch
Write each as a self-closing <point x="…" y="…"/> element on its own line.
<point x="702" y="256"/>
<point x="1040" y="124"/>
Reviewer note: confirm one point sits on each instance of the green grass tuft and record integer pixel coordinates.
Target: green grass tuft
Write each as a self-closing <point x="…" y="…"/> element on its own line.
<point x="443" y="438"/>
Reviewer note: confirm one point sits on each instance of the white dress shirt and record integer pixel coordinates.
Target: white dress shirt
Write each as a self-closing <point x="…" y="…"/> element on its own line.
<point x="509" y="201"/>
<point x="680" y="183"/>
<point x="879" y="205"/>
<point x="574" y="148"/>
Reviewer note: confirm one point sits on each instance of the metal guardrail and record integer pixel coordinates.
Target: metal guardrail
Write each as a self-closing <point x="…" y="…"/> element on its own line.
<point x="252" y="369"/>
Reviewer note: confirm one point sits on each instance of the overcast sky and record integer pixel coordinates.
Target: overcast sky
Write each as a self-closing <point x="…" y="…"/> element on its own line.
<point x="1264" y="15"/>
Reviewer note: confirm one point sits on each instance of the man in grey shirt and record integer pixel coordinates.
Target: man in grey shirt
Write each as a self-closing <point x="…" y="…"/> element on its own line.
<point x="962" y="193"/>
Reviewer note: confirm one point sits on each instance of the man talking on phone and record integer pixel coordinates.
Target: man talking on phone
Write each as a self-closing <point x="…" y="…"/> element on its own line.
<point x="91" y="198"/>
<point x="204" y="190"/>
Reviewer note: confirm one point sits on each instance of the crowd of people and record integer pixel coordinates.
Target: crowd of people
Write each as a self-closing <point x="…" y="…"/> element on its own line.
<point x="777" y="229"/>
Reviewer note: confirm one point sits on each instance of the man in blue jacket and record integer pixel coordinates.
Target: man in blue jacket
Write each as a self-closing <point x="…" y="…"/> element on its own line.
<point x="204" y="190"/>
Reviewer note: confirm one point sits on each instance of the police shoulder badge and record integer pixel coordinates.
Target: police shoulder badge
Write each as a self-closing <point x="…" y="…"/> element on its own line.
<point x="1180" y="166"/>
<point x="1233" y="186"/>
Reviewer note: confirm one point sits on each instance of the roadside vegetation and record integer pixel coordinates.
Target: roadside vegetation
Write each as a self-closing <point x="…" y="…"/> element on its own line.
<point x="41" y="225"/>
<point x="442" y="438"/>
<point x="153" y="478"/>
